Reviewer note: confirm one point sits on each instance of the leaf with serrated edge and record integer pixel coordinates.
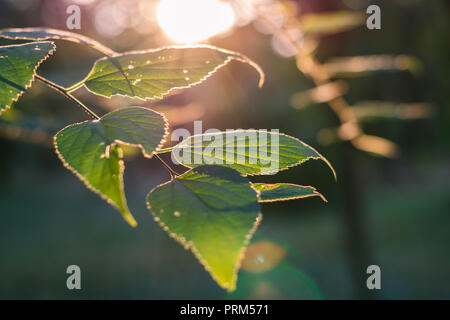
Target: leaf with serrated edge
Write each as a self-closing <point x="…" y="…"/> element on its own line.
<point x="155" y="73"/>
<point x="212" y="210"/>
<point x="284" y="191"/>
<point x="53" y="34"/>
<point x="18" y="64"/>
<point x="291" y="151"/>
<point x="89" y="149"/>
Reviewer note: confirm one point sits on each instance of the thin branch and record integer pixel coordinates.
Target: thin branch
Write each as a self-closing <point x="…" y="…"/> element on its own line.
<point x="172" y="172"/>
<point x="64" y="91"/>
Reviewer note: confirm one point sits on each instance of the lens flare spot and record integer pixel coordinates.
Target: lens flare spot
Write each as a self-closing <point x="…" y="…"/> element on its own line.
<point x="263" y="256"/>
<point x="194" y="20"/>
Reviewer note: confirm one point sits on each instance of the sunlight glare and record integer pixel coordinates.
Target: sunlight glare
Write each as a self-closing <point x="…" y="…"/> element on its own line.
<point x="193" y="21"/>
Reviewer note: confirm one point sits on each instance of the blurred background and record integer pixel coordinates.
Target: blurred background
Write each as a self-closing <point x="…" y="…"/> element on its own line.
<point x="374" y="102"/>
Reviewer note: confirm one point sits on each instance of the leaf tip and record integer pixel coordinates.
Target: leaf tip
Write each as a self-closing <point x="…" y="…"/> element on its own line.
<point x="321" y="196"/>
<point x="244" y="59"/>
<point x="331" y="167"/>
<point x="129" y="219"/>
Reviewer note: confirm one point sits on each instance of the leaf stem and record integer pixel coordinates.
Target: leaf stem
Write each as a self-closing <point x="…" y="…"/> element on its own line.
<point x="172" y="172"/>
<point x="66" y="93"/>
<point x="164" y="150"/>
<point x="75" y="86"/>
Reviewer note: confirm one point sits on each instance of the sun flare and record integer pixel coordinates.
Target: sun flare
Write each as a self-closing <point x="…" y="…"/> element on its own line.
<point x="192" y="21"/>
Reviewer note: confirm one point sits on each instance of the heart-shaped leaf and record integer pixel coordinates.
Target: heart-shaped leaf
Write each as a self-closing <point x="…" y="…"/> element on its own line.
<point x="89" y="149"/>
<point x="213" y="211"/>
<point x="284" y="192"/>
<point x="18" y="64"/>
<point x="53" y="34"/>
<point x="154" y="73"/>
<point x="251" y="152"/>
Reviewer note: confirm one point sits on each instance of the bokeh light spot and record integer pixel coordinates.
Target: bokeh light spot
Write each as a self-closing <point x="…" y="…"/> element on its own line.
<point x="263" y="256"/>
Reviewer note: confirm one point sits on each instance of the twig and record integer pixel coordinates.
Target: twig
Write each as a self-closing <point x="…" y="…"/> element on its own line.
<point x="173" y="173"/>
<point x="65" y="92"/>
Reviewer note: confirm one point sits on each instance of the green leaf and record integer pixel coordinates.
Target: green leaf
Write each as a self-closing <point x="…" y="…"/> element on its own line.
<point x="331" y="22"/>
<point x="213" y="211"/>
<point x="284" y="192"/>
<point x="53" y="34"/>
<point x="375" y="110"/>
<point x="18" y="64"/>
<point x="90" y="150"/>
<point x="154" y="73"/>
<point x="251" y="152"/>
<point x="358" y="66"/>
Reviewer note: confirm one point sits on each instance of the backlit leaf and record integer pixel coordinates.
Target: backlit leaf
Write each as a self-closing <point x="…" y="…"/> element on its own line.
<point x="89" y="149"/>
<point x="213" y="211"/>
<point x="18" y="64"/>
<point x="284" y="192"/>
<point x="154" y="73"/>
<point x="53" y="34"/>
<point x="251" y="152"/>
